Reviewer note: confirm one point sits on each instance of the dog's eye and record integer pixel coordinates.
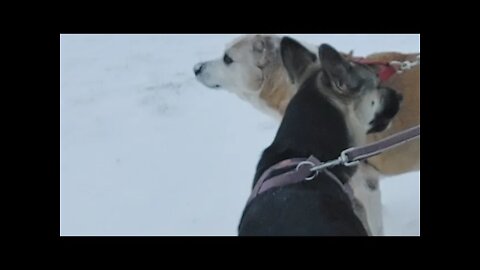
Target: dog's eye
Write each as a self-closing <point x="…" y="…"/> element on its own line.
<point x="227" y="60"/>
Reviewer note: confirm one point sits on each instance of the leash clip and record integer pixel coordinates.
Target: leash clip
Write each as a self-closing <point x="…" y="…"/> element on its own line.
<point x="344" y="159"/>
<point x="405" y="65"/>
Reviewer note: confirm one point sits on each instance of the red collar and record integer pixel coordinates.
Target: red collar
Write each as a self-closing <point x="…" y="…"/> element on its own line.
<point x="385" y="69"/>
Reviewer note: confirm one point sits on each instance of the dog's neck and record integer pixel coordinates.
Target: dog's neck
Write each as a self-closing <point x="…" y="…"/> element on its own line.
<point x="312" y="125"/>
<point x="274" y="95"/>
<point x="255" y="99"/>
<point x="277" y="91"/>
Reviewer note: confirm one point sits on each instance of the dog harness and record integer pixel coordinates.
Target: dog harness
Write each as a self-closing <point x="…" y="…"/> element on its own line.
<point x="295" y="170"/>
<point x="291" y="171"/>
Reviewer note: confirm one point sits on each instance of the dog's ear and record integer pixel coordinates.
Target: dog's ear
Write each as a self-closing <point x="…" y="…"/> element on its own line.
<point x="259" y="43"/>
<point x="296" y="58"/>
<point x="265" y="48"/>
<point x="348" y="56"/>
<point x="336" y="66"/>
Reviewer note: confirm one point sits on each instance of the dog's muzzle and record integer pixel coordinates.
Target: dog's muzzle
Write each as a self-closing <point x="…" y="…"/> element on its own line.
<point x="197" y="69"/>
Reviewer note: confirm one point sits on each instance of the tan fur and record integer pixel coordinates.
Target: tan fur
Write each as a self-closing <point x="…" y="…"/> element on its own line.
<point x="277" y="91"/>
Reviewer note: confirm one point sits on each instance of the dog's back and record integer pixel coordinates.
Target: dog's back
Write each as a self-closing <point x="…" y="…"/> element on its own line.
<point x="314" y="208"/>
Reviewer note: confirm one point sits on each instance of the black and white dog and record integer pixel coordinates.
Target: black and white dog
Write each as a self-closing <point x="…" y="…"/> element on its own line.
<point x="336" y="105"/>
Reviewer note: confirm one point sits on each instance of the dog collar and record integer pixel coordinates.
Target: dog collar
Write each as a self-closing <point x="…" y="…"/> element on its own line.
<point x="386" y="70"/>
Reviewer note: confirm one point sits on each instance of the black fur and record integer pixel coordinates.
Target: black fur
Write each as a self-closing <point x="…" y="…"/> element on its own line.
<point x="311" y="125"/>
<point x="392" y="106"/>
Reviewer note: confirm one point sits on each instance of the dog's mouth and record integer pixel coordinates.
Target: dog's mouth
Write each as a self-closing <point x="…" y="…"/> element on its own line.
<point x="215" y="86"/>
<point x="211" y="86"/>
<point x="379" y="125"/>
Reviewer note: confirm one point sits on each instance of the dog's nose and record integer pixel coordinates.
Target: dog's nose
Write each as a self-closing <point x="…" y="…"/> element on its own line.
<point x="198" y="68"/>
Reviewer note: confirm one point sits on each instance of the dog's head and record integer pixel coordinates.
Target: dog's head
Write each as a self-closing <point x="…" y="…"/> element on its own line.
<point x="242" y="66"/>
<point x="353" y="88"/>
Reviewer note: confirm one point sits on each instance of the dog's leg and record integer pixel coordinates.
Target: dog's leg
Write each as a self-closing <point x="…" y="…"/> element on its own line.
<point x="361" y="213"/>
<point x="374" y="212"/>
<point x="365" y="185"/>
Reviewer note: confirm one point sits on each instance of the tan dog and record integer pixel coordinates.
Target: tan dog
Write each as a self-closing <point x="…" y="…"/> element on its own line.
<point x="405" y="158"/>
<point x="251" y="68"/>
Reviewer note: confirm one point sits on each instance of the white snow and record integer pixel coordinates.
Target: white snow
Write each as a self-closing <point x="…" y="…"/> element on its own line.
<point x="147" y="150"/>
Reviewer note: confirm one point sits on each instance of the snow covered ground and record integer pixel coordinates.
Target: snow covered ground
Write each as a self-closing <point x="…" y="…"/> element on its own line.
<point x="147" y="150"/>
